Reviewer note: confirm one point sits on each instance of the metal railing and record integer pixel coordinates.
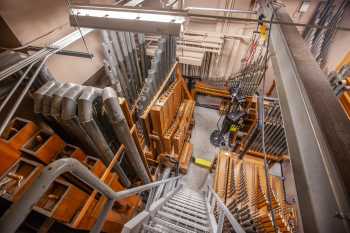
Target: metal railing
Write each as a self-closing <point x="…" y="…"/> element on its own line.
<point x="213" y="200"/>
<point x="18" y="211"/>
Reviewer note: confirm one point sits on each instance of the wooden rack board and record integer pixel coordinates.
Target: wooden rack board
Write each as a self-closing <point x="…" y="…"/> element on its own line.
<point x="206" y="89"/>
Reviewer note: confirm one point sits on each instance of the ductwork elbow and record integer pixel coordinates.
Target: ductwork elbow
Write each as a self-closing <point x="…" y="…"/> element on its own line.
<point x="114" y="111"/>
<point x="69" y="103"/>
<point x="38" y="96"/>
<point x="56" y="102"/>
<point x="46" y="102"/>
<point x="85" y="102"/>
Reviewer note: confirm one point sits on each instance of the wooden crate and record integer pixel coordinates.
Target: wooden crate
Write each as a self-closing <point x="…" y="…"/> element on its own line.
<point x="70" y="151"/>
<point x="18" y="132"/>
<point x="43" y="146"/>
<point x="95" y="165"/>
<point x="61" y="201"/>
<point x="9" y="156"/>
<point x="19" y="178"/>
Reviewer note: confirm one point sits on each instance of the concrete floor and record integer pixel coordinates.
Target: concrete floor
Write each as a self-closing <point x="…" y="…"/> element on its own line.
<point x="205" y="123"/>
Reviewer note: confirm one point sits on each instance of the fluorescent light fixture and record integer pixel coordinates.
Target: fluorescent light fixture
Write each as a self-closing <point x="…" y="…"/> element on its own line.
<point x="123" y="20"/>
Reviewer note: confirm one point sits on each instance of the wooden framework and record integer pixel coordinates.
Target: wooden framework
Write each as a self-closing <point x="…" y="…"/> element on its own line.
<point x="68" y="200"/>
<point x="168" y="121"/>
<point x="242" y="185"/>
<point x="206" y="89"/>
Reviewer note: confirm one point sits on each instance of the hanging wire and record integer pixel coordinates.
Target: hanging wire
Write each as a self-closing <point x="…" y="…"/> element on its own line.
<point x="68" y="4"/>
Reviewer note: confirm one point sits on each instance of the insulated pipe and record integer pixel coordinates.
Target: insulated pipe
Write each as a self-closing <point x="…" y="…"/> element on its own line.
<point x="85" y="113"/>
<point x="122" y="131"/>
<point x="70" y="119"/>
<point x="39" y="95"/>
<point x="46" y="102"/>
<point x="56" y="101"/>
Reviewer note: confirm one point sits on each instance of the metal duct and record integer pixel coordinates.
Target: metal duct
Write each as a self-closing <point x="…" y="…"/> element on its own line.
<point x="122" y="131"/>
<point x="85" y="113"/>
<point x="39" y="95"/>
<point x="46" y="102"/>
<point x="70" y="121"/>
<point x="56" y="100"/>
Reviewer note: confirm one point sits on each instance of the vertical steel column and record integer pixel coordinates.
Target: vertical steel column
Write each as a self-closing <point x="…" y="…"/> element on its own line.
<point x="317" y="132"/>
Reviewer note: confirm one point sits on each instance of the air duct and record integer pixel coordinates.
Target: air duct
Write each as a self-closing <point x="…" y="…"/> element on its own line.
<point x="122" y="131"/>
<point x="85" y="113"/>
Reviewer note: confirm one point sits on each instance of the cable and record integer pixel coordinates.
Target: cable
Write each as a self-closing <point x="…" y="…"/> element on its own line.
<point x="76" y="21"/>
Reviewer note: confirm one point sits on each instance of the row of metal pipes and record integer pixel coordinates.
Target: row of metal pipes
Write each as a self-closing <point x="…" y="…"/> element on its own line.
<point x="94" y="118"/>
<point x="125" y="62"/>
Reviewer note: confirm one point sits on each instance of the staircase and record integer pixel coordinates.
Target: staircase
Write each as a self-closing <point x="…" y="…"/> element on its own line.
<point x="186" y="211"/>
<point x="173" y="208"/>
<point x="170" y="207"/>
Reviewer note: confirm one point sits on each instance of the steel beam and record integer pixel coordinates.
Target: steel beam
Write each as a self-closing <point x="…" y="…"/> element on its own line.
<point x="317" y="131"/>
<point x="118" y="19"/>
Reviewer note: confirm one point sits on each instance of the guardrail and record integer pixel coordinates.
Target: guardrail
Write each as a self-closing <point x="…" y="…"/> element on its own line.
<point x="214" y="200"/>
<point x="17" y="213"/>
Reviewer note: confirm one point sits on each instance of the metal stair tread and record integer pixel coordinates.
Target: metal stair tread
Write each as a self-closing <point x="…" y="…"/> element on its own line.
<point x="192" y="196"/>
<point x="171" y="225"/>
<point x="189" y="200"/>
<point x="162" y="228"/>
<point x="185" y="210"/>
<point x="201" y="207"/>
<point x="182" y="221"/>
<point x="196" y="195"/>
<point x="152" y="229"/>
<point x="185" y="215"/>
<point x="171" y="204"/>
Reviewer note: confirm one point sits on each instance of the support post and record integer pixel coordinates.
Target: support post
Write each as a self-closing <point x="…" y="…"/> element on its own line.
<point x="317" y="131"/>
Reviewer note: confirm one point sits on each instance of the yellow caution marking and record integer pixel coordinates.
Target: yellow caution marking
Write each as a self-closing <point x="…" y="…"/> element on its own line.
<point x="202" y="162"/>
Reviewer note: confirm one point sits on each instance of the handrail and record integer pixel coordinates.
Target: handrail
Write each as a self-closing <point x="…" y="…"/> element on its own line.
<point x="223" y="212"/>
<point x="18" y="211"/>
